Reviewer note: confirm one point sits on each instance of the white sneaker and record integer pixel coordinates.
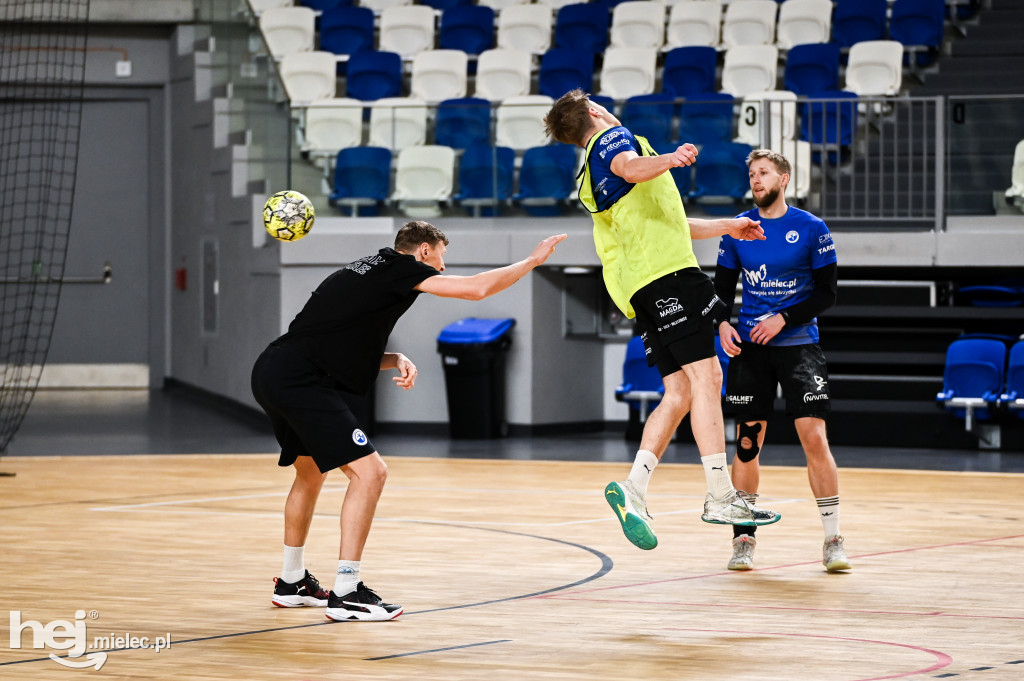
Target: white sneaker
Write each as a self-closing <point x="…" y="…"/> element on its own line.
<point x="630" y="508"/>
<point x="743" y="552"/>
<point x="834" y="555"/>
<point x="734" y="510"/>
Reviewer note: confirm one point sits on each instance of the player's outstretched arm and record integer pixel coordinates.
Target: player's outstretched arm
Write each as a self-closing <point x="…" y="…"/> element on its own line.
<point x="742" y="228"/>
<point x="634" y="168"/>
<point x="480" y="286"/>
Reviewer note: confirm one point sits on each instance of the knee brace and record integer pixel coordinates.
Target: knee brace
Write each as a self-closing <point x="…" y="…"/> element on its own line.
<point x="748" y="431"/>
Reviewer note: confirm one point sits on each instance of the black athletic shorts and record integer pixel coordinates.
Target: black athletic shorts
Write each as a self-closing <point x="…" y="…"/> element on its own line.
<point x="673" y="314"/>
<point x="754" y="374"/>
<point x="308" y="412"/>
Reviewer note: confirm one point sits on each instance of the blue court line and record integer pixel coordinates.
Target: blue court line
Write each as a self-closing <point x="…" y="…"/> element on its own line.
<point x="606" y="566"/>
<point x="438" y="650"/>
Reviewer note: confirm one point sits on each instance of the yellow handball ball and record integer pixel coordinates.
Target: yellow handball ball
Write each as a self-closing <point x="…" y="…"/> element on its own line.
<point x="288" y="215"/>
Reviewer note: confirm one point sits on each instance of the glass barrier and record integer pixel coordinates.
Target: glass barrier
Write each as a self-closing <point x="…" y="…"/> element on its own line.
<point x="906" y="162"/>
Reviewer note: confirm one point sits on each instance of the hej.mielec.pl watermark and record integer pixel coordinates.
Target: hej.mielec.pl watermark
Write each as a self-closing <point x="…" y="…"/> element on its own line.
<point x="72" y="637"/>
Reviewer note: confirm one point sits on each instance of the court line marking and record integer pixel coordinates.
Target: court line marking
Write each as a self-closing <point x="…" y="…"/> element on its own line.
<point x="943" y="660"/>
<point x="438" y="650"/>
<point x="971" y="542"/>
<point x="606" y="566"/>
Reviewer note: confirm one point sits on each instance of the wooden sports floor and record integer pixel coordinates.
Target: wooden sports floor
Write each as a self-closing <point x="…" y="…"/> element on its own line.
<point x="508" y="570"/>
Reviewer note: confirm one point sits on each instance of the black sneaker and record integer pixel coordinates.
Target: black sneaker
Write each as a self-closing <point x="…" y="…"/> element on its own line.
<point x="305" y="592"/>
<point x="362" y="604"/>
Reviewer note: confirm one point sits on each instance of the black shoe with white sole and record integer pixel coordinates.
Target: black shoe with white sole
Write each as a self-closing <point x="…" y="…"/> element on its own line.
<point x="306" y="592"/>
<point x="360" y="605"/>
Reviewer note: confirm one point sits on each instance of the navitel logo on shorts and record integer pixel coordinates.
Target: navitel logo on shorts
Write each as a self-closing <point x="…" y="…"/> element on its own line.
<point x="359" y="437"/>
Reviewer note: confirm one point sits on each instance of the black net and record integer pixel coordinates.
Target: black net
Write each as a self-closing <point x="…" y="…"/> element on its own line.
<point x="42" y="71"/>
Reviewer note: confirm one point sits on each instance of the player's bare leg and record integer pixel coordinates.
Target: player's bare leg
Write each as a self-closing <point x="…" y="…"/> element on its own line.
<point x="296" y="586"/>
<point x="824" y="478"/>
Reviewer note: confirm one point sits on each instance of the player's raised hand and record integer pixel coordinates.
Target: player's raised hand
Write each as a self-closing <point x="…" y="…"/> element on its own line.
<point x="685" y="155"/>
<point x="745" y="229"/>
<point x="545" y="248"/>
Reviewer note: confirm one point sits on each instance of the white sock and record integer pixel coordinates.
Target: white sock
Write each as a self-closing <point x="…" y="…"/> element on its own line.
<point x="347" y="577"/>
<point x="643" y="468"/>
<point x="294" y="567"/>
<point x="828" y="507"/>
<point x="716" y="470"/>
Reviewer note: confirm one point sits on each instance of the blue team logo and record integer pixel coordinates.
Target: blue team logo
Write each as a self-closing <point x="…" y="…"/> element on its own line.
<point x="359" y="437"/>
<point x="792" y="237"/>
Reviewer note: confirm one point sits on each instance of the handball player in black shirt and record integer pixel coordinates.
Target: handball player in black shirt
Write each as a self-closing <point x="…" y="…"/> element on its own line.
<point x="337" y="344"/>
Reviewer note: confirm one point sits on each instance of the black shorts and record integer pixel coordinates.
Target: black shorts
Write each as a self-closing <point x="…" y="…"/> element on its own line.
<point x="673" y="314"/>
<point x="754" y="374"/>
<point x="307" y="410"/>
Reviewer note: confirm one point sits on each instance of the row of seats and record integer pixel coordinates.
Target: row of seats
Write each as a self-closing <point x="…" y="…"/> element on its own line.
<point x="425" y="177"/>
<point x="379" y="6"/>
<point x="983" y="377"/>
<point x="874" y="69"/>
<point x="330" y="125"/>
<point x="408" y="29"/>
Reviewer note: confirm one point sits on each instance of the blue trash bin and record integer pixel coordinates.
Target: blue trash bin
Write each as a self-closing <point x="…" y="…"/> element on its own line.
<point x="473" y="353"/>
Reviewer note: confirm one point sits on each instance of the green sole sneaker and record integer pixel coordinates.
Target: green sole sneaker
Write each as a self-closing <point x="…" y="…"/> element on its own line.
<point x="637" y="530"/>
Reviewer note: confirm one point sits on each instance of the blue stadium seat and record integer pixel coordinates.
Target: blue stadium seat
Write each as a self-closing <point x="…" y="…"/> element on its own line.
<point x="346" y="30"/>
<point x="469" y="28"/>
<point x="563" y="69"/>
<point x="722" y="177"/>
<point x="682" y="175"/>
<point x="919" y="25"/>
<point x="374" y="75"/>
<point x="829" y="122"/>
<point x="485" y="178"/>
<point x="1013" y="398"/>
<point x="690" y="71"/>
<point x="812" y="68"/>
<point x="641" y="387"/>
<point x="706" y="120"/>
<point x="991" y="295"/>
<point x="362" y="179"/>
<point x="582" y="26"/>
<point x="972" y="382"/>
<point x="650" y="116"/>
<point x="463" y="122"/>
<point x="855" y="21"/>
<point x="546" y="179"/>
<point x="442" y="5"/>
<point x="324" y="5"/>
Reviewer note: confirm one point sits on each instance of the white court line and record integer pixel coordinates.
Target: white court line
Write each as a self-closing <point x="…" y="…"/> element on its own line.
<point x="163" y="507"/>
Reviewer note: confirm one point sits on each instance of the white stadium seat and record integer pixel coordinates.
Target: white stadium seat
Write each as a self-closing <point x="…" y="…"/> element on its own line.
<point x="1015" y="193"/>
<point x="803" y="21"/>
<point x="379" y="6"/>
<point x="694" y="22"/>
<point x="749" y="22"/>
<point x="777" y="109"/>
<point x="438" y="75"/>
<point x="503" y="73"/>
<point x="309" y="76"/>
<point x="628" y="71"/>
<point x="875" y="67"/>
<point x="288" y="29"/>
<point x="638" y="23"/>
<point x="330" y="125"/>
<point x="525" y="27"/>
<point x="424" y="178"/>
<point x="750" y="69"/>
<point x="398" y="122"/>
<point x="520" y="122"/>
<point x="407" y="30"/>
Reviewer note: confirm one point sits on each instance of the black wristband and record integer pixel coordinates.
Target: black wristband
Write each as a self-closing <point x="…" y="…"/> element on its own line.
<point x="785" y="315"/>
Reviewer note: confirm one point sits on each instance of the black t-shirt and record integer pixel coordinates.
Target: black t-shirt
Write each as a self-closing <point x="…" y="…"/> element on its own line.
<point x="344" y="326"/>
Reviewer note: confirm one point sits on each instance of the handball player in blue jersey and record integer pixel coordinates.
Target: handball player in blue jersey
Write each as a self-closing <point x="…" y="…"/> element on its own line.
<point x="788" y="280"/>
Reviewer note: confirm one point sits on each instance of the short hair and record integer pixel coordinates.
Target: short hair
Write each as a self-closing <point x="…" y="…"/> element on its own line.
<point x="416" y="232"/>
<point x="568" y="120"/>
<point x="781" y="163"/>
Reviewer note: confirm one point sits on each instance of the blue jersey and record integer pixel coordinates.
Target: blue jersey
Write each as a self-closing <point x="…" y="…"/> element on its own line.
<point x="609" y="187"/>
<point x="776" y="273"/>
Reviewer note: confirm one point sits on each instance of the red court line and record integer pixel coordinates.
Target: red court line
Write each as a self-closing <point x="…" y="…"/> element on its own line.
<point x="782" y="567"/>
<point x="740" y="606"/>
<point x="944" y="660"/>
